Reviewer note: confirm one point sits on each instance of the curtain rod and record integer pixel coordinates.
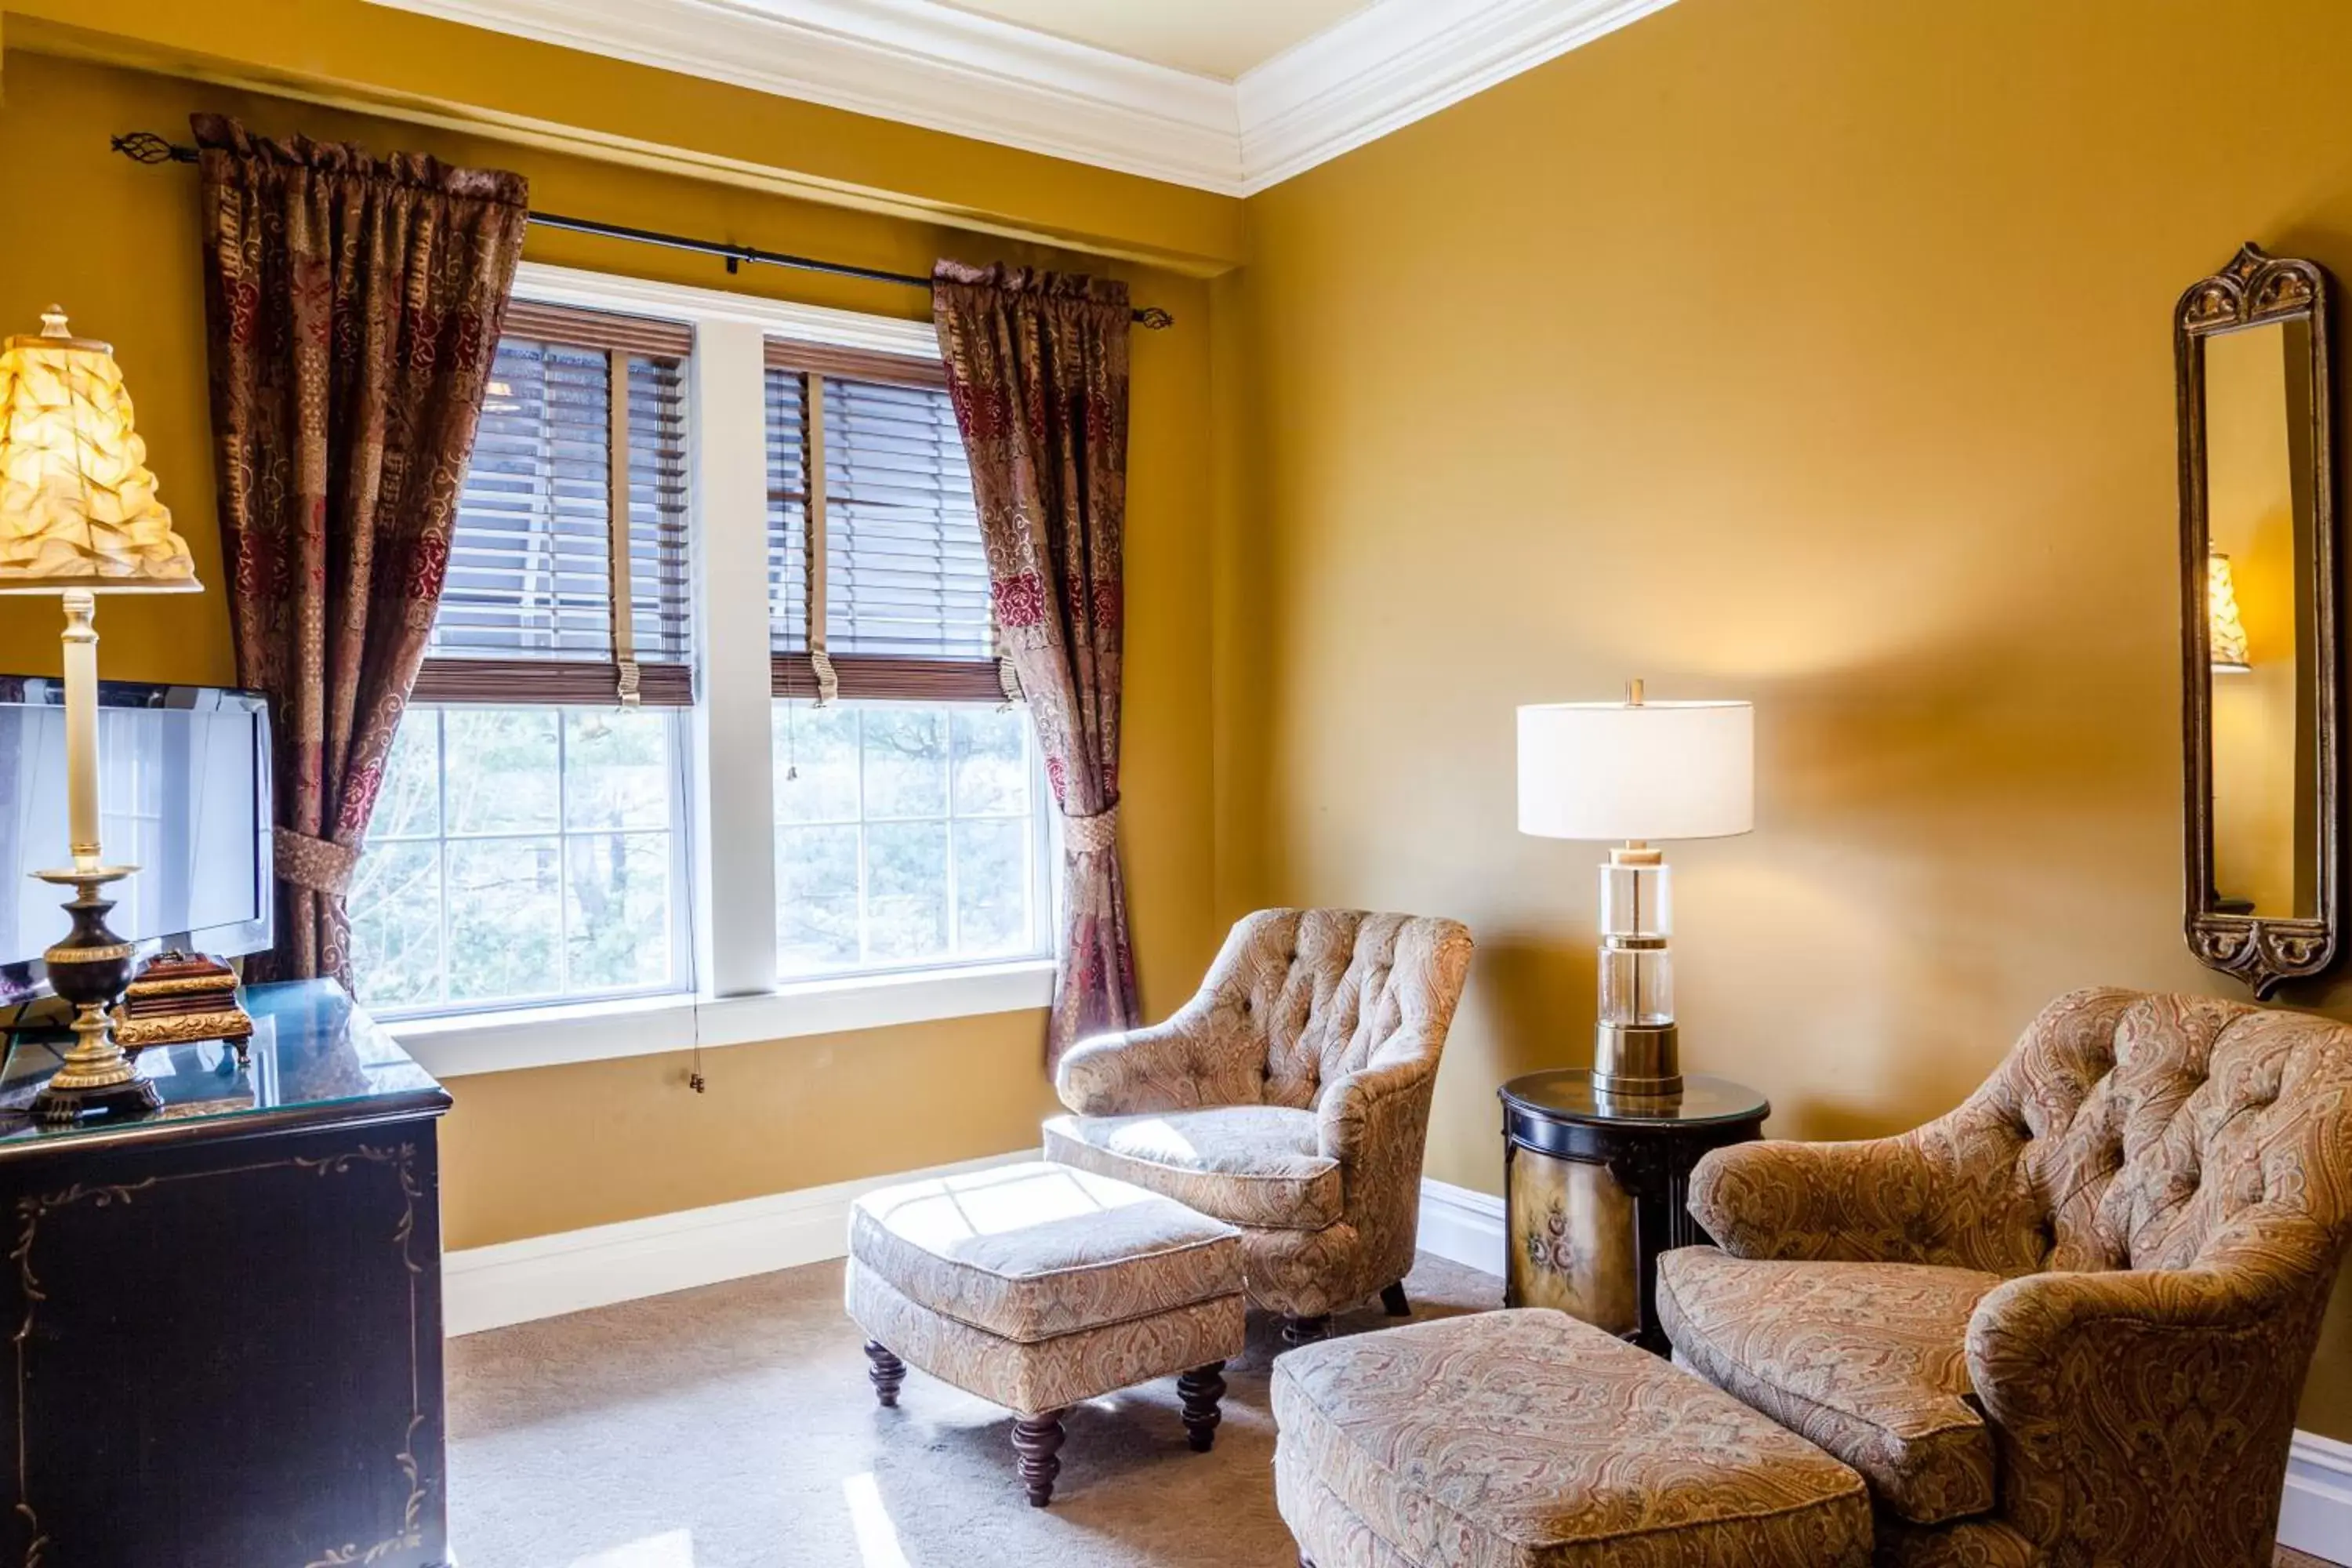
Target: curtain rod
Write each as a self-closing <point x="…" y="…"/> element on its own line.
<point x="146" y="147"/>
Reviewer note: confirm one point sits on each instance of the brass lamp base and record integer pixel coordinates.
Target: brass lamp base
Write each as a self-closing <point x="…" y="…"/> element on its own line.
<point x="1633" y="1062"/>
<point x="89" y="969"/>
<point x="62" y="1105"/>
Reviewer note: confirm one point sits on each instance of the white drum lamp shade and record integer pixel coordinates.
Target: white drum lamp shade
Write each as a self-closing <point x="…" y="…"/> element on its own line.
<point x="1637" y="771"/>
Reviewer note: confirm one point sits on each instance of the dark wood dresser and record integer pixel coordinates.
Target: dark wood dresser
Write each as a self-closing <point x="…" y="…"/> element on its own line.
<point x="225" y="1319"/>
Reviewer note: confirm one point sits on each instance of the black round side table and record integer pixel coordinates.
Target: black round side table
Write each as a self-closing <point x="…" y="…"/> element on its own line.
<point x="1595" y="1186"/>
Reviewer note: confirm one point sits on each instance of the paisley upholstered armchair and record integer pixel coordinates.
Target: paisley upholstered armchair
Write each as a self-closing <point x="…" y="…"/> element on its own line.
<point x="1290" y="1097"/>
<point x="2067" y="1324"/>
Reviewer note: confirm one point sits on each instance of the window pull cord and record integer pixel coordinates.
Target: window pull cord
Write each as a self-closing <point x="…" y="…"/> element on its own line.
<point x="621" y="597"/>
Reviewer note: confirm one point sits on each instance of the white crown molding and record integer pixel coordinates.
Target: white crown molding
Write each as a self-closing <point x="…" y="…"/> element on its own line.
<point x="1398" y="61"/>
<point x="915" y="61"/>
<point x="924" y="63"/>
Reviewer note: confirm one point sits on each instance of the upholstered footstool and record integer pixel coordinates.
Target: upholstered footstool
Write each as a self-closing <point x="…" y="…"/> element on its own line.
<point x="1528" y="1439"/>
<point x="1035" y="1287"/>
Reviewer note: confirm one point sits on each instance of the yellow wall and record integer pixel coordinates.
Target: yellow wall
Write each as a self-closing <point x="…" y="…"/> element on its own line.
<point x="355" y="54"/>
<point x="1815" y="353"/>
<point x="528" y="1153"/>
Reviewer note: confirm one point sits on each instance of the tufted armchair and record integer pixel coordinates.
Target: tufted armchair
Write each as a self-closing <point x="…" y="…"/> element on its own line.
<point x="2066" y="1323"/>
<point x="1289" y="1096"/>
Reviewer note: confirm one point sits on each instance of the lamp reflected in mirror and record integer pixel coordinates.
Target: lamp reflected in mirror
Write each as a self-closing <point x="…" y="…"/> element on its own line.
<point x="2259" y="619"/>
<point x="2258" y="528"/>
<point x="2225" y="629"/>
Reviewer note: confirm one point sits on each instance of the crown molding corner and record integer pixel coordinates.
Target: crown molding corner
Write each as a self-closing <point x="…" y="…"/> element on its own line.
<point x="1398" y="61"/>
<point x="917" y="62"/>
<point x="920" y="62"/>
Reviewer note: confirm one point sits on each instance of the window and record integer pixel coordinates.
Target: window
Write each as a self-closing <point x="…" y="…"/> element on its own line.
<point x="905" y="834"/>
<point x="629" y="648"/>
<point x="529" y="841"/>
<point x="908" y="816"/>
<point x="520" y="855"/>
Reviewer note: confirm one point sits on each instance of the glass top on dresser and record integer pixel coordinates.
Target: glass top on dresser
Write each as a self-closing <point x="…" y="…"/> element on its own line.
<point x="311" y="1051"/>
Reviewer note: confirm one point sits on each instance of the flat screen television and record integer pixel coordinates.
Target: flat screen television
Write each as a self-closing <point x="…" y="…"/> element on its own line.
<point x="183" y="794"/>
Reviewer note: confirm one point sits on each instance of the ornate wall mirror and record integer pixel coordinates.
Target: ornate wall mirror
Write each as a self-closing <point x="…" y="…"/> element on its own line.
<point x="2261" y="661"/>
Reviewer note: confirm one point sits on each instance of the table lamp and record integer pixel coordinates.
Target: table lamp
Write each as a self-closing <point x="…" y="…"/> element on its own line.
<point x="1636" y="770"/>
<point x="2225" y="631"/>
<point x="79" y="517"/>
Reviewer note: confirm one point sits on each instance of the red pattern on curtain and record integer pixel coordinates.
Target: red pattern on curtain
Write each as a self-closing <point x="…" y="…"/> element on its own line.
<point x="352" y="306"/>
<point x="1038" y="369"/>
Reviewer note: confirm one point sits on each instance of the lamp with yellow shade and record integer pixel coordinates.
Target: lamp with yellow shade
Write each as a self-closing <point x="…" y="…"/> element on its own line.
<point x="2225" y="633"/>
<point x="79" y="517"/>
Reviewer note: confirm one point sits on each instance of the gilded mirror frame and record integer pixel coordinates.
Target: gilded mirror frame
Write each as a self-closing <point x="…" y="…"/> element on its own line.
<point x="2264" y="951"/>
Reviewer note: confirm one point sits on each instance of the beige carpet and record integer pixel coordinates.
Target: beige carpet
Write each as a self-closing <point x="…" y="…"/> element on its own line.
<point x="733" y="1427"/>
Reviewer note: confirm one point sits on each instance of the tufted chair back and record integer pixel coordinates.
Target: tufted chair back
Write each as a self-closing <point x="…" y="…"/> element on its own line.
<point x="2132" y="1131"/>
<point x="1329" y="992"/>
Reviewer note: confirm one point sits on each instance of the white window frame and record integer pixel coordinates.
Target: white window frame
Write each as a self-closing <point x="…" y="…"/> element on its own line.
<point x="679" y="828"/>
<point x="1045" y="858"/>
<point x="730" y="809"/>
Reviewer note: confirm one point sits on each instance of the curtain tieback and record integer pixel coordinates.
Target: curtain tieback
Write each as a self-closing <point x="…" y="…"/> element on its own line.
<point x="1090" y="834"/>
<point x="320" y="865"/>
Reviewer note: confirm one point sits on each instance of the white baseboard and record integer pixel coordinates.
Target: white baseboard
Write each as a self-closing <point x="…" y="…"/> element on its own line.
<point x="543" y="1276"/>
<point x="2315" y="1516"/>
<point x="1462" y="1225"/>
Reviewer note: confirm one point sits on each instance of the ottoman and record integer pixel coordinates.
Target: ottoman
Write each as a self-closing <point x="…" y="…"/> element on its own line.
<point x="1035" y="1286"/>
<point x="1528" y="1439"/>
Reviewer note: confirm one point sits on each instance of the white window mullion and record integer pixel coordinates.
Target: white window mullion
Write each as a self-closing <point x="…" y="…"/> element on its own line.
<point x="733" y="747"/>
<point x="562" y="854"/>
<point x="864" y="836"/>
<point x="441" y="845"/>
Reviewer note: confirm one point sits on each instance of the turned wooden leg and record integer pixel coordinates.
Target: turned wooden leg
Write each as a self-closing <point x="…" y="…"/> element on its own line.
<point x="1037" y="1438"/>
<point x="1392" y="1299"/>
<point x="884" y="1370"/>
<point x="1306" y="1331"/>
<point x="1200" y="1388"/>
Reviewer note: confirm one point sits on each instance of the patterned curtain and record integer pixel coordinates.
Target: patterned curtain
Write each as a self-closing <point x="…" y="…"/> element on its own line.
<point x="1037" y="368"/>
<point x="354" y="306"/>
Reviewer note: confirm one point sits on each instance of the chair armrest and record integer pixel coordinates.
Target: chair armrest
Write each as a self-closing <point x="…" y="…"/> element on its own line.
<point x="1177" y="1065"/>
<point x="1375" y="1123"/>
<point x="1863" y="1202"/>
<point x="2167" y="1395"/>
<point x="1373" y="1109"/>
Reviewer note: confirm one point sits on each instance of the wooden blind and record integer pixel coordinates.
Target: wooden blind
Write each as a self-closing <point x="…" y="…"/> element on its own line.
<point x="567" y="575"/>
<point x="787" y="523"/>
<point x="598" y="329"/>
<point x="868" y="483"/>
<point x="857" y="364"/>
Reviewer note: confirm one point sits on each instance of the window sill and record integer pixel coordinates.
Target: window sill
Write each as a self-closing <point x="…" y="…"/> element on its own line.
<point x="455" y="1045"/>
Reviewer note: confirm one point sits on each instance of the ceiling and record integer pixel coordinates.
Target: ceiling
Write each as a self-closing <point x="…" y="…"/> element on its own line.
<point x="1220" y="38"/>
